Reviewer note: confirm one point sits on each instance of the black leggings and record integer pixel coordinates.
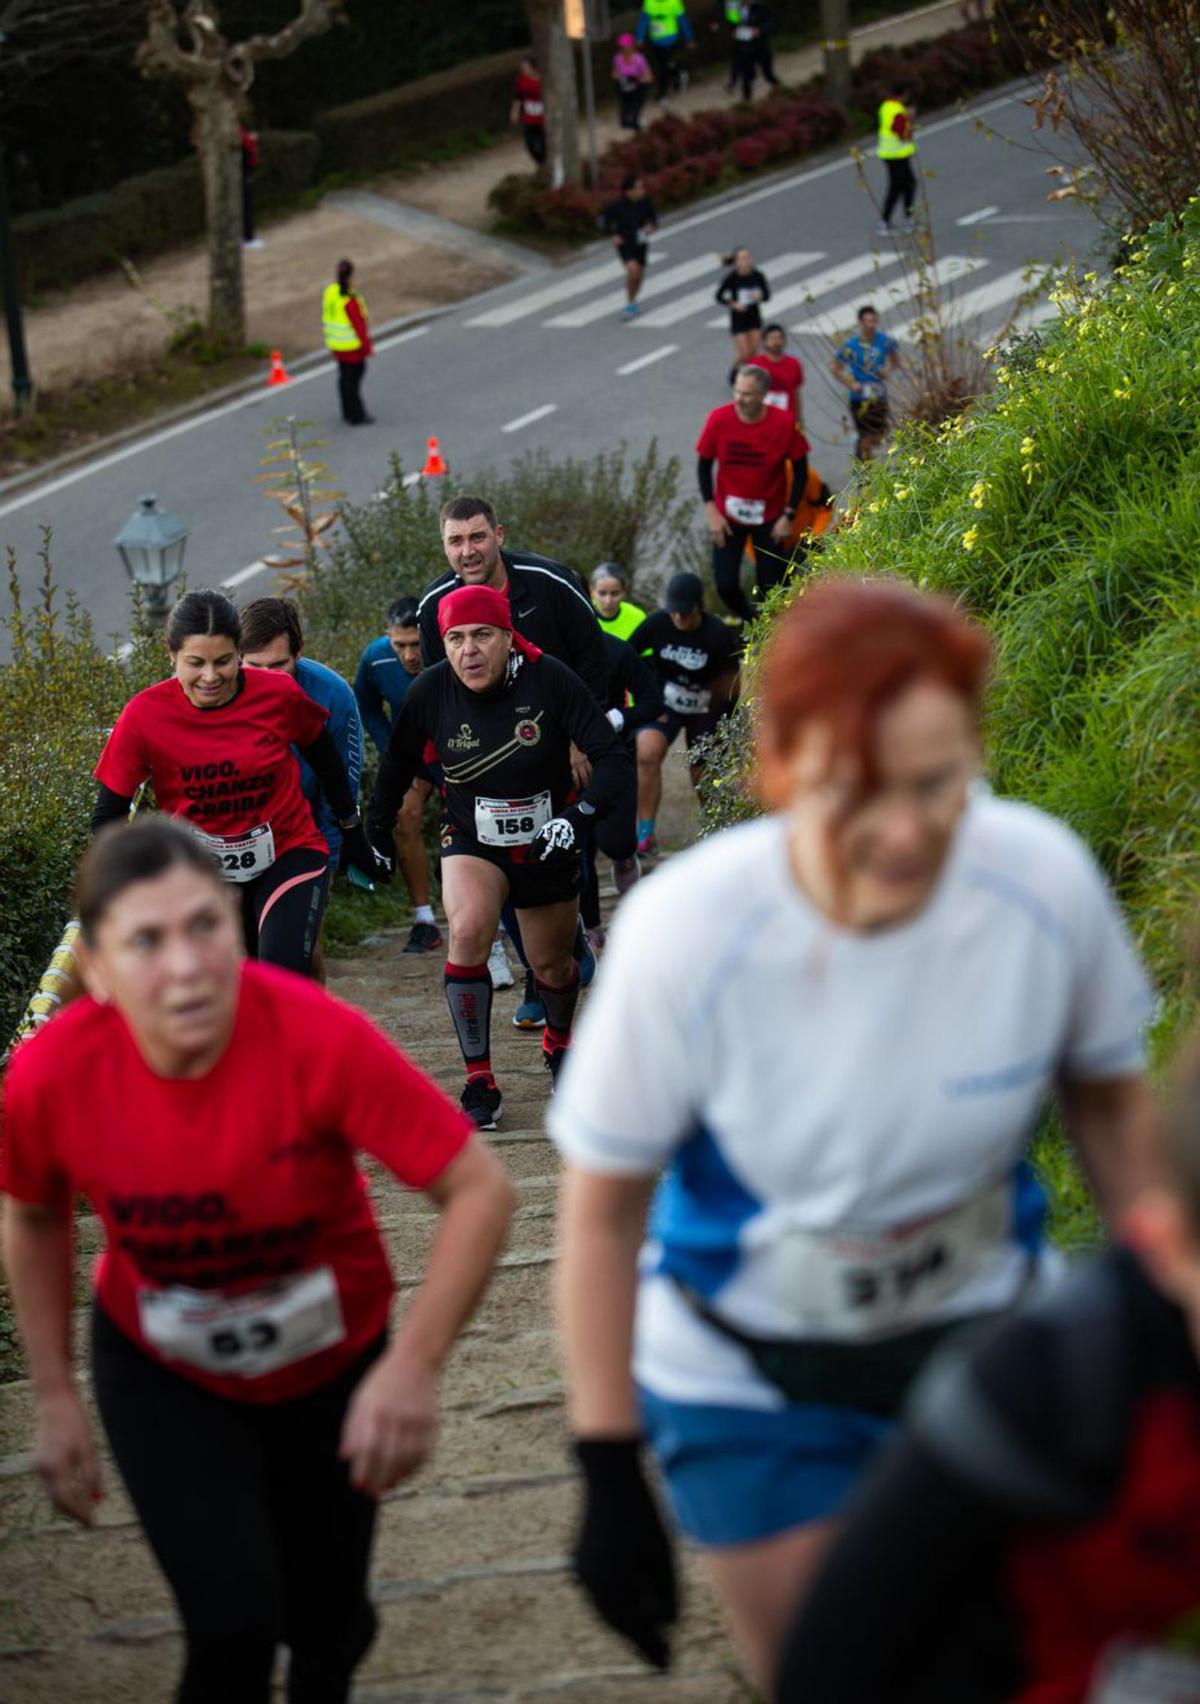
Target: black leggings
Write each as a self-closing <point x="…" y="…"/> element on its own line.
<point x="902" y="183"/>
<point x="350" y="379"/>
<point x="771" y="563"/>
<point x="282" y="909"/>
<point x="253" y="1520"/>
<point x="666" y="71"/>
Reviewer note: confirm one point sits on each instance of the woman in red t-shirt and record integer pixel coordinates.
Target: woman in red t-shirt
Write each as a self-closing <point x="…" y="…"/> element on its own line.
<point x="216" y="743"/>
<point x="240" y="1360"/>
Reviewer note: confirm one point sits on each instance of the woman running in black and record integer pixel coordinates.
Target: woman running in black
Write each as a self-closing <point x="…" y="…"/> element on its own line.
<point x="503" y="716"/>
<point x="215" y="742"/>
<point x="743" y="290"/>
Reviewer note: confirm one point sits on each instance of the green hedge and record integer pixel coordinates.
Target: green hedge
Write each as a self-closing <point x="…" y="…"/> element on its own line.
<point x="148" y="214"/>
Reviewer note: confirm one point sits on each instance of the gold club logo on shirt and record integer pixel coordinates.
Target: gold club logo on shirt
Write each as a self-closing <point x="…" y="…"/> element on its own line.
<point x="464" y="740"/>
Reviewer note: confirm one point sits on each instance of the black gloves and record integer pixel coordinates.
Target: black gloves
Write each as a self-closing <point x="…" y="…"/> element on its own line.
<point x="623" y="1556"/>
<point x="357" y="850"/>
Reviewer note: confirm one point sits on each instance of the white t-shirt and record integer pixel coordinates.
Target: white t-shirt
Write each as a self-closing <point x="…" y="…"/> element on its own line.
<point x="813" y="1093"/>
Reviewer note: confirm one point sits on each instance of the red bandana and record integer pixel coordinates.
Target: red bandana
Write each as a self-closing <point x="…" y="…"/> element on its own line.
<point x="482" y="606"/>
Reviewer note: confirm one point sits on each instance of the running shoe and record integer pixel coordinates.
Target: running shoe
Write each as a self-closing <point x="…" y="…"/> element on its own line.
<point x="481" y="1101"/>
<point x="530" y="1014"/>
<point x="423" y="938"/>
<point x="584" y="957"/>
<point x="631" y="310"/>
<point x="683" y="79"/>
<point x="499" y="968"/>
<point x="883" y="229"/>
<point x="626" y="871"/>
<point x="554" y="1064"/>
<point x="595" y="940"/>
<point x="647" y="848"/>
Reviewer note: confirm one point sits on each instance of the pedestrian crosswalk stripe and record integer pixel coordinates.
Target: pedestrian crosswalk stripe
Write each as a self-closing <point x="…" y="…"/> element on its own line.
<point x="958" y="310"/>
<point x="576" y="285"/>
<point x="841" y="316"/>
<point x="821" y="283"/>
<point x="1027" y="320"/>
<point x="695" y="301"/>
<point x="656" y="284"/>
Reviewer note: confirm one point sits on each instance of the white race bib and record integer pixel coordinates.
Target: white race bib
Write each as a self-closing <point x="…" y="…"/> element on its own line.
<point x="511" y="822"/>
<point x="860" y="1284"/>
<point x="870" y="392"/>
<point x="1142" y="1674"/>
<point x="747" y="296"/>
<point x="686" y="700"/>
<point x="745" y="32"/>
<point x="247" y="1335"/>
<point x="779" y="399"/>
<point x="241" y="857"/>
<point x="534" y="109"/>
<point x="750" y="511"/>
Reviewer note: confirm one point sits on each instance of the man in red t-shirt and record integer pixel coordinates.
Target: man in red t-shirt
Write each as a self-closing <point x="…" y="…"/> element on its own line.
<point x="752" y="446"/>
<point x="529" y="109"/>
<point x="784" y="371"/>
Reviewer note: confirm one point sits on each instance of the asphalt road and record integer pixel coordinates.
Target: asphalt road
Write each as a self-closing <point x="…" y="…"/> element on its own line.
<point x="547" y="361"/>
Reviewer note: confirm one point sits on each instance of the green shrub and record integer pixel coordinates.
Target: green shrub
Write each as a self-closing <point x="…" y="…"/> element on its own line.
<point x="398" y="127"/>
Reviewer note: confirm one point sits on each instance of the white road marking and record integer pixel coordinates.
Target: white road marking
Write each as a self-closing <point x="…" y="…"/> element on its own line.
<point x="1026" y="320"/>
<point x="39" y="492"/>
<point x="820" y="283"/>
<point x="656" y="284"/>
<point x="528" y="419"/>
<point x="957" y="310"/>
<point x="979" y="214"/>
<point x="244" y="574"/>
<point x="648" y="360"/>
<point x="695" y="301"/>
<point x="576" y="285"/>
<point x="945" y="271"/>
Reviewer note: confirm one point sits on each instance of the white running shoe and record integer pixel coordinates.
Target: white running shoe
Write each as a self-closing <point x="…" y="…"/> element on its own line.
<point x="499" y="968"/>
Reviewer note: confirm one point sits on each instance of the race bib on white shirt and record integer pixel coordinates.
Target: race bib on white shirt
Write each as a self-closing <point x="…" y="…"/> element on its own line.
<point x="511" y="822"/>
<point x="249" y="1335"/>
<point x="1144" y="1674"/>
<point x="686" y="700"/>
<point x="750" y="511"/>
<point x="241" y="857"/>
<point x="779" y="399"/>
<point x="862" y="1284"/>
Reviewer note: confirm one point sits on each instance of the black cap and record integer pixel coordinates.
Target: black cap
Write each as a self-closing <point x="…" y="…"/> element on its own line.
<point x="685" y="592"/>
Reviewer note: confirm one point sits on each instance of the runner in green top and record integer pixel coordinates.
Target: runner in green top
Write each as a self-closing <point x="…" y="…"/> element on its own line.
<point x="615" y="614"/>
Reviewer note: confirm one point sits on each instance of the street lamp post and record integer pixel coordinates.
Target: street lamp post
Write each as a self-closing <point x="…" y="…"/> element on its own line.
<point x="151" y="545"/>
<point x="21" y="382"/>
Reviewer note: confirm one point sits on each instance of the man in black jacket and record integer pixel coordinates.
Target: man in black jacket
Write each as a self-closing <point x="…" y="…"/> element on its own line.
<point x="549" y="604"/>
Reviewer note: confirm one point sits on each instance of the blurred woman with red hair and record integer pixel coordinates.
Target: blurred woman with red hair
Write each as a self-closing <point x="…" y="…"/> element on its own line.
<point x="834" y="1030"/>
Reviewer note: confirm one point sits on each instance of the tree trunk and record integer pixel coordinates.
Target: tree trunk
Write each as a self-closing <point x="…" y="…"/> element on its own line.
<point x="835" y="29"/>
<point x="556" y="61"/>
<point x="217" y="135"/>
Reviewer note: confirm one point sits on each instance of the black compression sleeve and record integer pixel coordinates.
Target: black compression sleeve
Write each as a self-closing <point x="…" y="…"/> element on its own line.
<point x="647" y="703"/>
<point x="704" y="473"/>
<point x="325" y="761"/>
<point x="919" y="1556"/>
<point x="109" y="807"/>
<point x="397" y="766"/>
<point x="586" y="724"/>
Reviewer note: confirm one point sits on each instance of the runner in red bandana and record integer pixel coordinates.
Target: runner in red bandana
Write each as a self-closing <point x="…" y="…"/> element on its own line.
<point x="503" y="717"/>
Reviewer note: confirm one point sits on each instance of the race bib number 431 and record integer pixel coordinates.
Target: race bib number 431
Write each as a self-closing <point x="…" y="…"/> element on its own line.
<point x="247" y="1335"/>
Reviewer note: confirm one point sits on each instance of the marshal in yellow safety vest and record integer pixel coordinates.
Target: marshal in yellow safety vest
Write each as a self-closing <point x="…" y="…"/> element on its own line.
<point x="340" y="335"/>
<point x="893" y="144"/>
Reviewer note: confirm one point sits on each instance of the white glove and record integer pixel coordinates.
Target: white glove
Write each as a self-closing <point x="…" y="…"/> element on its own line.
<point x="615" y="718"/>
<point x="556" y="836"/>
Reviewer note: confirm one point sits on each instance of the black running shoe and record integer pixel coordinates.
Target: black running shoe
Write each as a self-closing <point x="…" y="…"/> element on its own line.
<point x="482" y="1102"/>
<point x="424" y="938"/>
<point x="554" y="1063"/>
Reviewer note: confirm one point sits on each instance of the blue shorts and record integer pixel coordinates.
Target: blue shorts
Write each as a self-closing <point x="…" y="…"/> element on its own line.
<point x="738" y="1475"/>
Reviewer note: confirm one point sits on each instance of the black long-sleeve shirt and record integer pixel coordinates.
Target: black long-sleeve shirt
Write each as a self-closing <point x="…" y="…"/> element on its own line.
<point x="511" y="743"/>
<point x="549" y="607"/>
<point x="630" y="676"/>
<point x="734" y="283"/>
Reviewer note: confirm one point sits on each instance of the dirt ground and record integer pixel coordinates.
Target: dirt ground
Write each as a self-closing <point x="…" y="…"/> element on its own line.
<point x="470" y="1573"/>
<point x="109" y="323"/>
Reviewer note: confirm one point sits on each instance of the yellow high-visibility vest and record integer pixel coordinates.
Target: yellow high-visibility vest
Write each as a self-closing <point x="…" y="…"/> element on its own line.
<point x="890" y="146"/>
<point x="340" y="335"/>
<point x="662" y="19"/>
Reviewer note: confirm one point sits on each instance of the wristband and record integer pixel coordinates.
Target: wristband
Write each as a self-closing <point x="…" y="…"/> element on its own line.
<point x="347" y="823"/>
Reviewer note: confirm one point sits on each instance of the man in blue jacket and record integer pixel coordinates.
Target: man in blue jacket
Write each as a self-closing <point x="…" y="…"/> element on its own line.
<point x="386" y="670"/>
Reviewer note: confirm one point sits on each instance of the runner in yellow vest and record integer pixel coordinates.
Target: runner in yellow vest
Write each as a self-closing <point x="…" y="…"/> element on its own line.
<point x="663" y="28"/>
<point x="348" y="339"/>
<point x="896" y="148"/>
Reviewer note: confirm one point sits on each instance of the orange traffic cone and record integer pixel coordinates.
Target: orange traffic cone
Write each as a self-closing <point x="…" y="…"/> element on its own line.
<point x="434" y="465"/>
<point x="277" y="375"/>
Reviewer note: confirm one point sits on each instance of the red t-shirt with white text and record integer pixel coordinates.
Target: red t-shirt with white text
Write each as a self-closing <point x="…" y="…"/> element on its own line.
<point x="234" y="1180"/>
<point x="751" y="483"/>
<point x="227" y="770"/>
<point x="786" y="376"/>
<point x="529" y="93"/>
